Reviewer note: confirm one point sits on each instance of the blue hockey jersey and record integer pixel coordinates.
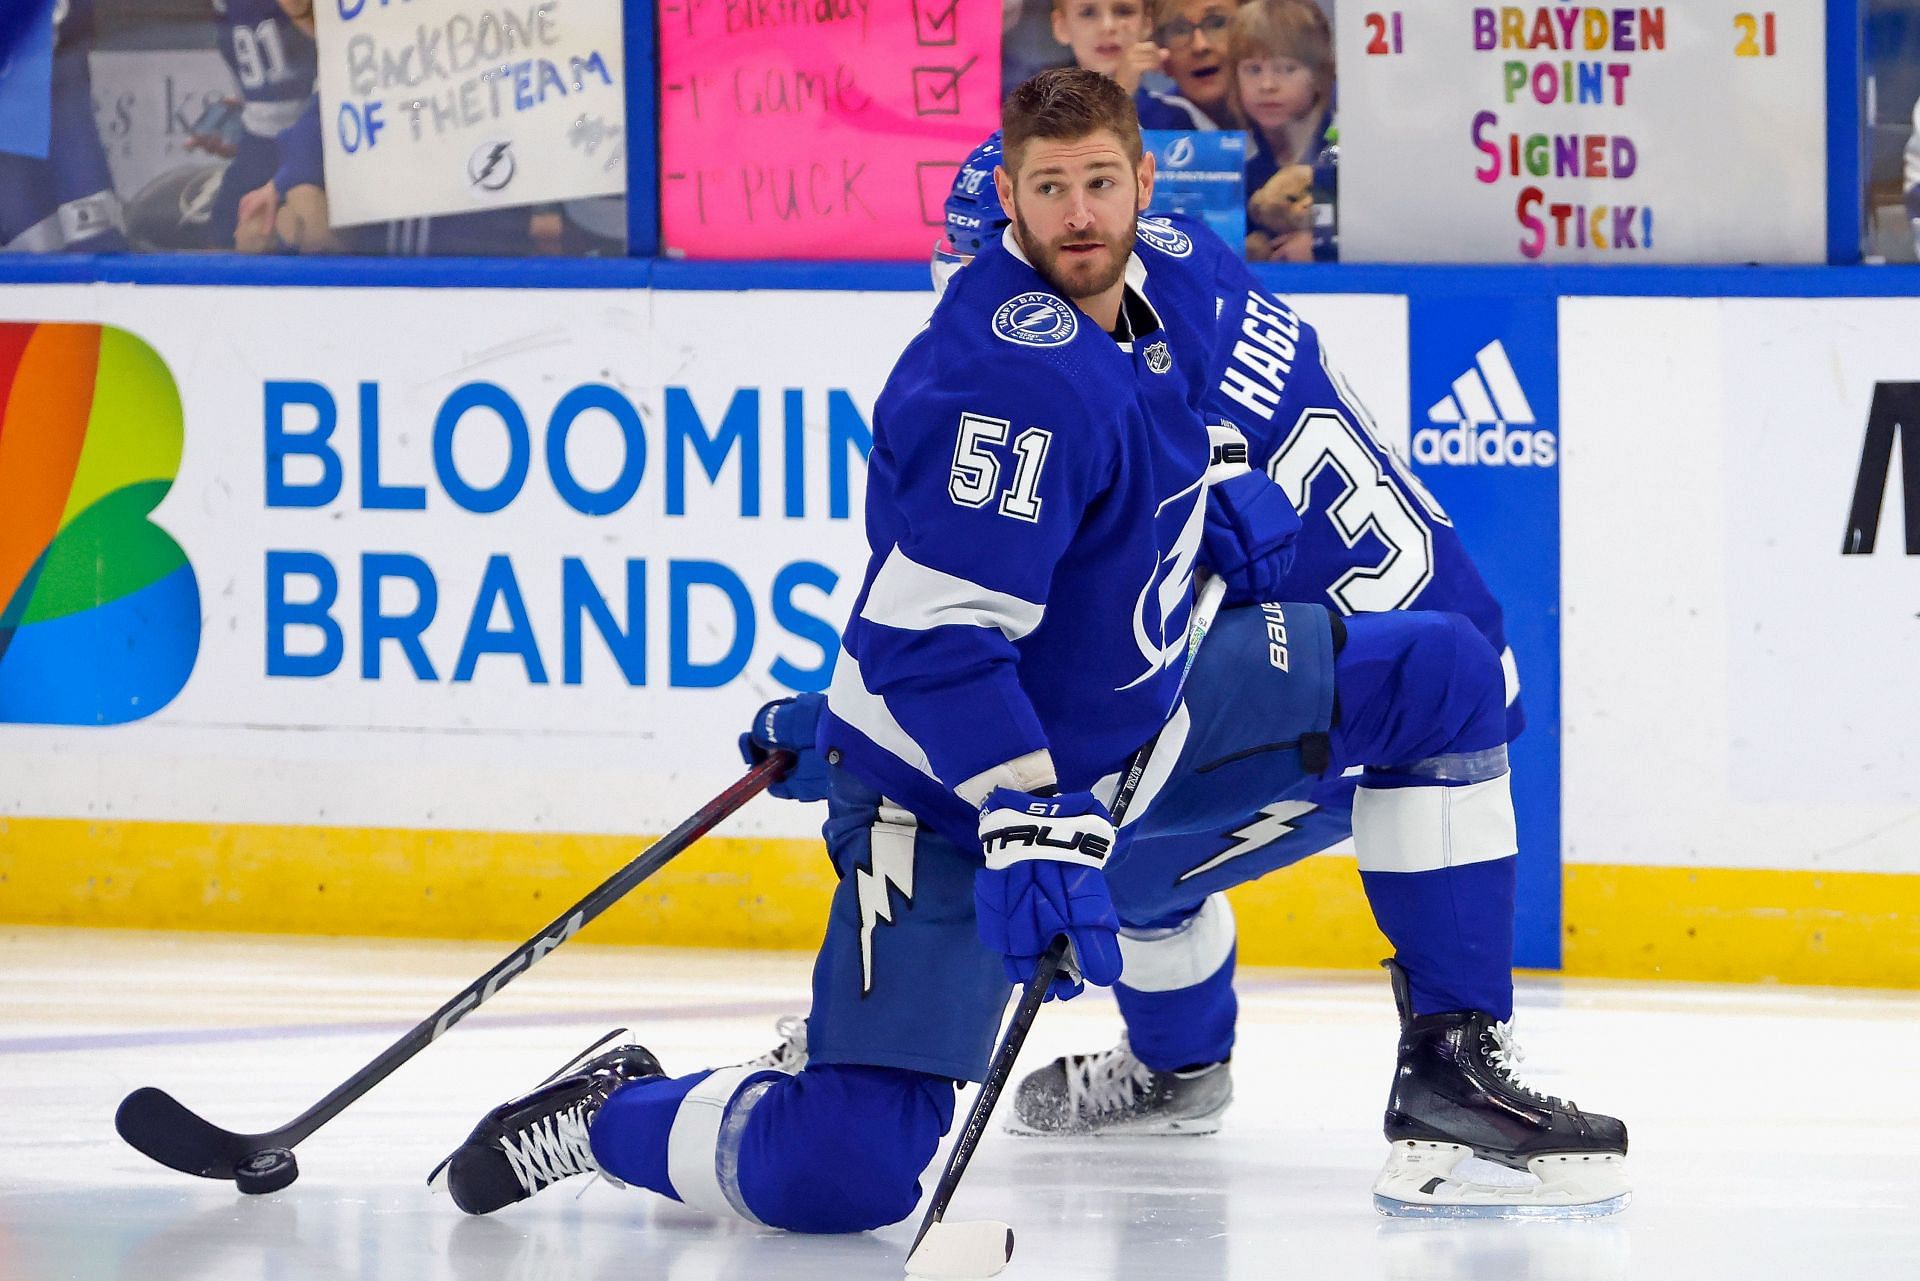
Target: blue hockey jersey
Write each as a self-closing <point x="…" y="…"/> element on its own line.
<point x="1372" y="538"/>
<point x="274" y="61"/>
<point x="65" y="202"/>
<point x="1036" y="496"/>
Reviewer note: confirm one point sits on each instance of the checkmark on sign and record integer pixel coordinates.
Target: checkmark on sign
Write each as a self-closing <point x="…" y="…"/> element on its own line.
<point x="936" y="90"/>
<point x="935" y="178"/>
<point x="934" y="21"/>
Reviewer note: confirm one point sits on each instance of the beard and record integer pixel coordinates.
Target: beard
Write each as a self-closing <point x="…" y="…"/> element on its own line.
<point x="1081" y="275"/>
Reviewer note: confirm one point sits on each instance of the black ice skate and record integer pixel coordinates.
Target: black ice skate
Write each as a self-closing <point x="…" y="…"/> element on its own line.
<point x="1456" y="1096"/>
<point x="538" y="1139"/>
<point x="1115" y="1093"/>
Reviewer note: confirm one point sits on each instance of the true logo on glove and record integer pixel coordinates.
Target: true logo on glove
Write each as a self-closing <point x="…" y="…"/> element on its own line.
<point x="1040" y="836"/>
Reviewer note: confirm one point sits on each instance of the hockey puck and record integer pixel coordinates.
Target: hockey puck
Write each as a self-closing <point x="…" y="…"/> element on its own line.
<point x="267" y="1170"/>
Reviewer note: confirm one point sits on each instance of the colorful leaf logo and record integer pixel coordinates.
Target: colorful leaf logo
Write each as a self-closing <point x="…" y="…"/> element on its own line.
<point x="99" y="610"/>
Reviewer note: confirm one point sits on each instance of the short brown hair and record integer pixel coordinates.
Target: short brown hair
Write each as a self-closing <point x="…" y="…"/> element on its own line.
<point x="1165" y="11"/>
<point x="1294" y="29"/>
<point x="1066" y="102"/>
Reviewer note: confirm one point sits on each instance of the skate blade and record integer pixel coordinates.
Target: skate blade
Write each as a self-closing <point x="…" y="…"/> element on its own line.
<point x="1161" y="1129"/>
<point x="1190" y="1126"/>
<point x="1419" y="1181"/>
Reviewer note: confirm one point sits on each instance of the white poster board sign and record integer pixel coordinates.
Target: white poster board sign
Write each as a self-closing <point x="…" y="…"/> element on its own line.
<point x="448" y="106"/>
<point x="1739" y="582"/>
<point x="1564" y="133"/>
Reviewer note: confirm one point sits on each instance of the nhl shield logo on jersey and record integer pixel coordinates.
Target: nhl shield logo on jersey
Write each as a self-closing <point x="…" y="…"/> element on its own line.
<point x="1168" y="239"/>
<point x="1035" y="320"/>
<point x="1159" y="359"/>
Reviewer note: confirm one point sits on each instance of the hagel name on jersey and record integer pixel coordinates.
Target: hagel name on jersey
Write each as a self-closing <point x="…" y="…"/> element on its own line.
<point x="1262" y="360"/>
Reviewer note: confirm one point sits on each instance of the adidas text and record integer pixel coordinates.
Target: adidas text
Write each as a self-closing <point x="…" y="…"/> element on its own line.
<point x="1494" y="445"/>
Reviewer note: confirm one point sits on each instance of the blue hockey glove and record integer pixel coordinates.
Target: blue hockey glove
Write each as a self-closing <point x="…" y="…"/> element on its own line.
<point x="1249" y="537"/>
<point x="1044" y="878"/>
<point x="790" y="723"/>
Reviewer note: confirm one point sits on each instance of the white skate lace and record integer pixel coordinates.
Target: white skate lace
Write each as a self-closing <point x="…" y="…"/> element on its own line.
<point x="1102" y="1084"/>
<point x="1506" y="1057"/>
<point x="791" y="1054"/>
<point x="550" y="1149"/>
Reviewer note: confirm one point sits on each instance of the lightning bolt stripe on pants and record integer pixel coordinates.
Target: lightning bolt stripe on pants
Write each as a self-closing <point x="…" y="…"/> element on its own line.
<point x="889" y="867"/>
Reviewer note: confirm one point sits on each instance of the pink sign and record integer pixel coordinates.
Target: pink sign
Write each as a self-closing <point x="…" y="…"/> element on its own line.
<point x="819" y="128"/>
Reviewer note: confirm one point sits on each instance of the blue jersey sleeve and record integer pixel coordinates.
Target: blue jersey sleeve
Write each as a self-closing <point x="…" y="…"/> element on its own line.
<point x="1373" y="538"/>
<point x="970" y="507"/>
<point x="301" y="152"/>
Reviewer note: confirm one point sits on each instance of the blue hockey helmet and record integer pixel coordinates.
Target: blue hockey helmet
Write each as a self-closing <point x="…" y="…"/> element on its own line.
<point x="974" y="215"/>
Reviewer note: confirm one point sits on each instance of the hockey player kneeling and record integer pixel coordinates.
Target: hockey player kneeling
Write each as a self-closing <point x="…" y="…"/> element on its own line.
<point x="1266" y="374"/>
<point x="1042" y="489"/>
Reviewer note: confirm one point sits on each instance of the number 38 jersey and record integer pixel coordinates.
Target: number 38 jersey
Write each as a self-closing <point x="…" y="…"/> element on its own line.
<point x="1372" y="538"/>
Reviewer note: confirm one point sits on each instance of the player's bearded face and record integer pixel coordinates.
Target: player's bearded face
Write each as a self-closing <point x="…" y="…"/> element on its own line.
<point x="1075" y="210"/>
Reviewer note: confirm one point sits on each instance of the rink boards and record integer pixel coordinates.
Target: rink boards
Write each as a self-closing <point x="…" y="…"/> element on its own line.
<point x="437" y="597"/>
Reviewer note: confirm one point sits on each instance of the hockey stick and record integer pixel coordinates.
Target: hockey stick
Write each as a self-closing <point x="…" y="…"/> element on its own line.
<point x="983" y="1247"/>
<point x="175" y="1136"/>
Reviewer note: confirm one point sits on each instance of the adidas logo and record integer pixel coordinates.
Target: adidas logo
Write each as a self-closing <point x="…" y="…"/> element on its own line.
<point x="1486" y="420"/>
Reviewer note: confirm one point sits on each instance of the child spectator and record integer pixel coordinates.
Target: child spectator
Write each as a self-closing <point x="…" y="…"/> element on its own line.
<point x="1108" y="36"/>
<point x="1280" y="55"/>
<point x="1192" y="34"/>
<point x="269" y="47"/>
<point x="1114" y="38"/>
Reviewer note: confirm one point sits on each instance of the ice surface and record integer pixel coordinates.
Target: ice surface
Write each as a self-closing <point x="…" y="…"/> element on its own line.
<point x="1773" y="1128"/>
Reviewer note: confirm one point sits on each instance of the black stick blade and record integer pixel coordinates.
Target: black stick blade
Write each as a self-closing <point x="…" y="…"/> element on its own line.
<point x="162" y="1127"/>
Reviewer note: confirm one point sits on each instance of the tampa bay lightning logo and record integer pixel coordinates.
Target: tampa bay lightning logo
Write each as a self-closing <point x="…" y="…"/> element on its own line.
<point x="1165" y="237"/>
<point x="1035" y="320"/>
<point x="1164" y="607"/>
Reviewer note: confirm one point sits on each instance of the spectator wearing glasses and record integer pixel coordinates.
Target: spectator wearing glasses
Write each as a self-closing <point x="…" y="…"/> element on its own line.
<point x="1193" y="35"/>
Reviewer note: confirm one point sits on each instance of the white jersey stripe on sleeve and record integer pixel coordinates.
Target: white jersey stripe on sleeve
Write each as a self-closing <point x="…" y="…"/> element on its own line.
<point x="911" y="597"/>
<point x="867" y="712"/>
